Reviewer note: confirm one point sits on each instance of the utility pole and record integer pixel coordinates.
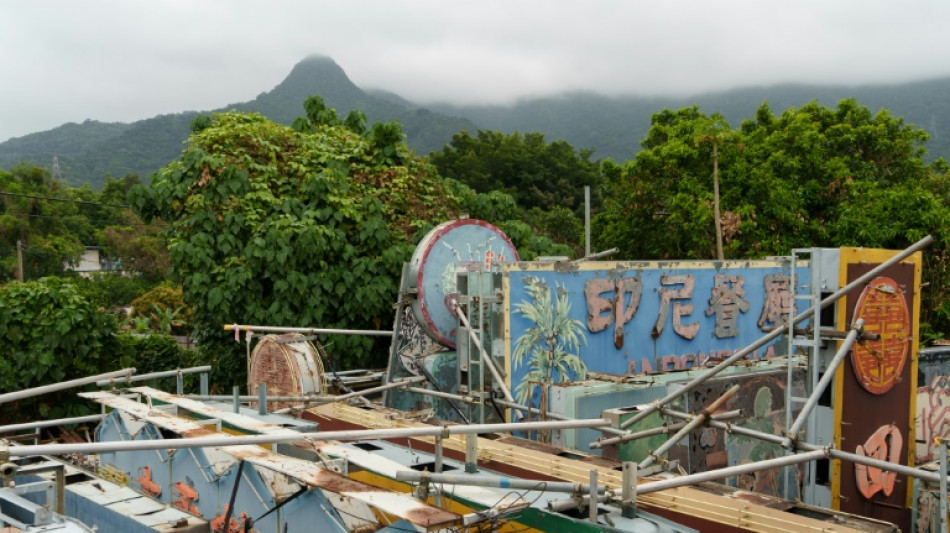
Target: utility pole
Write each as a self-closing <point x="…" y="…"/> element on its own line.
<point x="716" y="200"/>
<point x="19" y="260"/>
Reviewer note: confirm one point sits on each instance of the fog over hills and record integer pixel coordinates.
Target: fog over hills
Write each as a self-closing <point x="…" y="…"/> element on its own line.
<point x="611" y="125"/>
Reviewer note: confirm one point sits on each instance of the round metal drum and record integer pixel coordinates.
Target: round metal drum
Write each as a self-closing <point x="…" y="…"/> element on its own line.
<point x="434" y="263"/>
<point x="288" y="364"/>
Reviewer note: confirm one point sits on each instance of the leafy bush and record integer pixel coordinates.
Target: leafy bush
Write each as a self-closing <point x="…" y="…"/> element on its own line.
<point x="109" y="291"/>
<point x="52" y="333"/>
<point x="165" y="309"/>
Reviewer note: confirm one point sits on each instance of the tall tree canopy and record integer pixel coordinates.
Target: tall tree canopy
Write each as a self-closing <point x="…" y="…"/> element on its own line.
<point x="809" y="177"/>
<point x="304" y="226"/>
<point x="546" y="179"/>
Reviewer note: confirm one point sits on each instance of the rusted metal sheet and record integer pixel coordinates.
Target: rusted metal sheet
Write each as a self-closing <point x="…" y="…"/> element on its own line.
<point x="878" y="388"/>
<point x="289" y="365"/>
<point x="237" y="420"/>
<point x="305" y="472"/>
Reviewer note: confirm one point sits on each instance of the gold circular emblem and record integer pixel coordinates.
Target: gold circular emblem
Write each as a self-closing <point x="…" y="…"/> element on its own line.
<point x="878" y="364"/>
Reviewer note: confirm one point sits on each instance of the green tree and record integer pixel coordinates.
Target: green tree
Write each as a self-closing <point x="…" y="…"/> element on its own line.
<point x="535" y="172"/>
<point x="809" y="177"/>
<point x="52" y="333"/>
<point x="269" y="225"/>
<point x="538" y="174"/>
<point x="52" y="232"/>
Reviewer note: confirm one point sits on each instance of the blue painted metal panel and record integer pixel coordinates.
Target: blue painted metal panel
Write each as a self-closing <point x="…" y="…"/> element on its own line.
<point x="667" y="315"/>
<point x="188" y="473"/>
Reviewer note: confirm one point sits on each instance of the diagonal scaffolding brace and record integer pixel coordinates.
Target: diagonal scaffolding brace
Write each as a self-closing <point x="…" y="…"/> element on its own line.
<point x="775" y="333"/>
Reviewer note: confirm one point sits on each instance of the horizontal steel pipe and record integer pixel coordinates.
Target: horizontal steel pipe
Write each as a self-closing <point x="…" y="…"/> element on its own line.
<point x="777" y="332"/>
<point x="357" y="394"/>
<point x="713" y="475"/>
<point x="904" y="470"/>
<point x="624" y="436"/>
<point x="255" y="398"/>
<point x="156" y="375"/>
<point x="50" y="423"/>
<point x="370" y="434"/>
<point x="440" y="394"/>
<point x="312" y="331"/>
<point x="552" y="416"/>
<point x="63" y="385"/>
<point x="495" y="481"/>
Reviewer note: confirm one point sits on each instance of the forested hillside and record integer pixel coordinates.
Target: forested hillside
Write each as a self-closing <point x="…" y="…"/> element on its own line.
<point x="89" y="151"/>
<point x="615" y="126"/>
<point x="612" y="126"/>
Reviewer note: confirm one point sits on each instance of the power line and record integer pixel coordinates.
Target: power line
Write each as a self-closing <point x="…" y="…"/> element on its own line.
<point x="50" y="198"/>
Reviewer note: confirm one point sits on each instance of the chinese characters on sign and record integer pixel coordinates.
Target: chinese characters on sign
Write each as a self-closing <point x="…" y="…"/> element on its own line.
<point x="726" y="302"/>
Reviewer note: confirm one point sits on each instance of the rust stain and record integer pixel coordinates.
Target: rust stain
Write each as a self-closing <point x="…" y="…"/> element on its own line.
<point x="432" y="517"/>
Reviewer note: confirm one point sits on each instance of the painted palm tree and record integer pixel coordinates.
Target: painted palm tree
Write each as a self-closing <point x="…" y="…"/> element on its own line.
<point x="550" y="347"/>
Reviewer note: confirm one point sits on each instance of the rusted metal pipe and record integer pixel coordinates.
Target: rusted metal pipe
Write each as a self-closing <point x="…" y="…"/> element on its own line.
<point x="312" y="331"/>
<point x="63" y="385"/>
<point x="370" y="434"/>
<point x="699" y="420"/>
<point x="775" y="333"/>
<point x="666" y="428"/>
<point x="359" y="394"/>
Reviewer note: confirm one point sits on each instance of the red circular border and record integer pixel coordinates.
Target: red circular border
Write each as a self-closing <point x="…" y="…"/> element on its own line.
<point x="433" y="238"/>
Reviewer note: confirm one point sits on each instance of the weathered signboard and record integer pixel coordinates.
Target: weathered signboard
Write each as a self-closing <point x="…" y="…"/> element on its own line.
<point x="876" y="391"/>
<point x="565" y="319"/>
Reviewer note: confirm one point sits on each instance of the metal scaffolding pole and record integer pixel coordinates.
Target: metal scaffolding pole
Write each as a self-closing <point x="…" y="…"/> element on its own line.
<point x="665" y="428"/>
<point x="485" y="357"/>
<point x="712" y="475"/>
<point x="311" y="331"/>
<point x="415" y="476"/>
<point x="697" y="421"/>
<point x="12" y="428"/>
<point x="361" y="393"/>
<point x="823" y="383"/>
<point x="903" y="470"/>
<point x="63" y="385"/>
<point x="553" y="416"/>
<point x="254" y="398"/>
<point x="351" y="435"/>
<point x="156" y="375"/>
<point x="775" y="333"/>
<point x="440" y="394"/>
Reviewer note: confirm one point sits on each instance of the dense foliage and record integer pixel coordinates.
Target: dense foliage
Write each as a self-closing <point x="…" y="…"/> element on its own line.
<point x="545" y="179"/>
<point x="809" y="177"/>
<point x="55" y="223"/>
<point x="51" y="333"/>
<point x="162" y="310"/>
<point x="274" y="226"/>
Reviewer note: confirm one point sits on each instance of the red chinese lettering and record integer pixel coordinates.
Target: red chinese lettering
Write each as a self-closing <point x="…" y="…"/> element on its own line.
<point x="688" y="281"/>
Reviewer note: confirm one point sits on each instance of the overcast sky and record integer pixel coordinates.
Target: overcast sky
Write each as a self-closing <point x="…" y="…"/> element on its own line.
<point x="121" y="60"/>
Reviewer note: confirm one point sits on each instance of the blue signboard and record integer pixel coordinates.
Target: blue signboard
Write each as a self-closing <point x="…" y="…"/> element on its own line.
<point x="624" y="318"/>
